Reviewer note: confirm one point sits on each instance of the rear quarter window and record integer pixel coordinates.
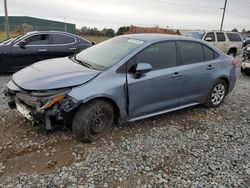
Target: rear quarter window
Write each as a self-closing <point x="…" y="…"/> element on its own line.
<point x="209" y="54"/>
<point x="234" y="37"/>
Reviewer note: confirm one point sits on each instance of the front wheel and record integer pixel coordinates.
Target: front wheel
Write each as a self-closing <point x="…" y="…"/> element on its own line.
<point x="217" y="94"/>
<point x="92" y="119"/>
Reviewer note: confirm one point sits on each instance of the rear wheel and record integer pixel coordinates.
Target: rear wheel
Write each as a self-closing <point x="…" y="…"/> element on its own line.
<point x="92" y="120"/>
<point x="217" y="94"/>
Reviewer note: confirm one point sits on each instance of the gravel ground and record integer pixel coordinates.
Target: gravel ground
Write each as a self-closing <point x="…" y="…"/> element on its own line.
<point x="195" y="147"/>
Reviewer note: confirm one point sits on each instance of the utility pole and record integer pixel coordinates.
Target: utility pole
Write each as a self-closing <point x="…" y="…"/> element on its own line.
<point x="223" y="16"/>
<point x="65" y="24"/>
<point x="7" y="30"/>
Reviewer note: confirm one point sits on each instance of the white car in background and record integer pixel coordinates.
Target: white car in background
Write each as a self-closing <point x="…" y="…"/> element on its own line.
<point x="230" y="43"/>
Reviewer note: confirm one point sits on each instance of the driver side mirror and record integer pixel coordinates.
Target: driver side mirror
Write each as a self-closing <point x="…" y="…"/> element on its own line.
<point x="22" y="44"/>
<point x="208" y="39"/>
<point x="141" y="69"/>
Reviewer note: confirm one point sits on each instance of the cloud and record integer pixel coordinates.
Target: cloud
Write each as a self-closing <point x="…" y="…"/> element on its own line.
<point x="192" y="14"/>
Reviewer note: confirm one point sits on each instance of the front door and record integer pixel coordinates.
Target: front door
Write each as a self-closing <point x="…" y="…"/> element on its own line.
<point x="158" y="90"/>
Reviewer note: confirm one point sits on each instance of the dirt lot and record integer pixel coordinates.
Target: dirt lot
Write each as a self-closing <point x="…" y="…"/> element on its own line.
<point x="194" y="147"/>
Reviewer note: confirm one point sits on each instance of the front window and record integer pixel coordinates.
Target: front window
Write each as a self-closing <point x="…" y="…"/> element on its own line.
<point x="108" y="53"/>
<point x="38" y="40"/>
<point x="210" y="35"/>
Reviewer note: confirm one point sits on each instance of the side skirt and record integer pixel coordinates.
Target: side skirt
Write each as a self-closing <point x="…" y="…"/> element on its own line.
<point x="163" y="112"/>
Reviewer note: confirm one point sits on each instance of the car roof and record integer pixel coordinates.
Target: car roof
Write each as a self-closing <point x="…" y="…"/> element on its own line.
<point x="49" y="32"/>
<point x="151" y="38"/>
<point x="156" y="37"/>
<point x="160" y="37"/>
<point x="56" y="32"/>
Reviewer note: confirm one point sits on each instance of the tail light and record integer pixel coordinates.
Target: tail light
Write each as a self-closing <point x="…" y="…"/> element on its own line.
<point x="234" y="62"/>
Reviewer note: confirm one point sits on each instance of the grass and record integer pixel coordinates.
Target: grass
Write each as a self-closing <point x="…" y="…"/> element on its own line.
<point x="3" y="36"/>
<point x="96" y="39"/>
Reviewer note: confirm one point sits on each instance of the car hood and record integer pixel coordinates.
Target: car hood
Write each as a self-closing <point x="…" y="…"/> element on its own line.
<point x="53" y="74"/>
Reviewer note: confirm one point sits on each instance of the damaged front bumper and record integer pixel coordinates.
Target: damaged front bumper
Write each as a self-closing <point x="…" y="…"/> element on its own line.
<point x="43" y="107"/>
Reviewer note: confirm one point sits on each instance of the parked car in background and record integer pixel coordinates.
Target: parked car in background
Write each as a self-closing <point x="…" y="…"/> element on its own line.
<point x="245" y="64"/>
<point x="126" y="78"/>
<point x="230" y="43"/>
<point x="246" y="42"/>
<point x="17" y="53"/>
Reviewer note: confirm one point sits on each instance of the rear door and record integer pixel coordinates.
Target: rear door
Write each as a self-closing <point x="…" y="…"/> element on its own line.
<point x="63" y="45"/>
<point x="197" y="68"/>
<point x="37" y="49"/>
<point x="159" y="89"/>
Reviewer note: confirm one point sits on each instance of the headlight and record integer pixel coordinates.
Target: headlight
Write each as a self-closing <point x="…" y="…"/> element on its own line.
<point x="49" y="98"/>
<point x="51" y="102"/>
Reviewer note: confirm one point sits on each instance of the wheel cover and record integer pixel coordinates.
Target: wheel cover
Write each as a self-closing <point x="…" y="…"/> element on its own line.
<point x="218" y="94"/>
<point x="98" y="122"/>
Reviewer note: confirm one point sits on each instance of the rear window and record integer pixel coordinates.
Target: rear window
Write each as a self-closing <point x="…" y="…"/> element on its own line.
<point x="191" y="52"/>
<point x="62" y="39"/>
<point x="235" y="37"/>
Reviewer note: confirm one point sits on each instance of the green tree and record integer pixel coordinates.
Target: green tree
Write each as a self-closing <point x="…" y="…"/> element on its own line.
<point x="235" y="30"/>
<point x="122" y="30"/>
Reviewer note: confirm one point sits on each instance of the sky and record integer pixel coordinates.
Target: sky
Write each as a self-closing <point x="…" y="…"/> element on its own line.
<point x="175" y="14"/>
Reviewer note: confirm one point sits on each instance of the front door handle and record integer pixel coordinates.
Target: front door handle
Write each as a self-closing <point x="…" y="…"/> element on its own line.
<point x="176" y="75"/>
<point x="210" y="67"/>
<point x="72" y="48"/>
<point x="43" y="50"/>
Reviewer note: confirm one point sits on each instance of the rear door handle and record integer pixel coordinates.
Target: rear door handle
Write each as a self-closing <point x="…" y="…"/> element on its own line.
<point x="210" y="67"/>
<point x="43" y="50"/>
<point x="176" y="75"/>
<point x="72" y="48"/>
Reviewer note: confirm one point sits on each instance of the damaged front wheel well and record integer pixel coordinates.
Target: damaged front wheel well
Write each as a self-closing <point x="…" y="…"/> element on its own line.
<point x="68" y="117"/>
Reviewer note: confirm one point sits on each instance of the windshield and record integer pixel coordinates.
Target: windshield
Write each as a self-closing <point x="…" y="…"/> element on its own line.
<point x="11" y="40"/>
<point x="15" y="39"/>
<point x="108" y="53"/>
<point x="196" y="35"/>
<point x="7" y="41"/>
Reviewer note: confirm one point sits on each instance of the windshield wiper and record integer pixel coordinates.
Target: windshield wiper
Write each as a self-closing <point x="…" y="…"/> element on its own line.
<point x="83" y="62"/>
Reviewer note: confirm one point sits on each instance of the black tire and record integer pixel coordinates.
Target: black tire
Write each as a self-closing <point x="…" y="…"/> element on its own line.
<point x="210" y="102"/>
<point x="244" y="72"/>
<point x="232" y="52"/>
<point x="92" y="120"/>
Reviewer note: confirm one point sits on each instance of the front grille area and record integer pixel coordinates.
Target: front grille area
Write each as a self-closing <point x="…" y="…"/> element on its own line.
<point x="28" y="100"/>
